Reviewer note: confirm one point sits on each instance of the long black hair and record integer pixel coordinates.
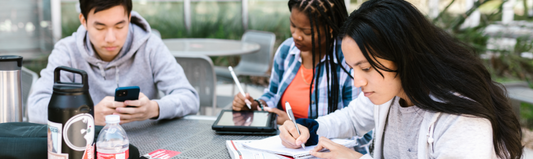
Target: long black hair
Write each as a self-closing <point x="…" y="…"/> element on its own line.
<point x="431" y="62"/>
<point x="330" y="15"/>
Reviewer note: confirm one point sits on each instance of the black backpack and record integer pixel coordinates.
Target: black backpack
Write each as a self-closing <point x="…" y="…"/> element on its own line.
<point x="22" y="140"/>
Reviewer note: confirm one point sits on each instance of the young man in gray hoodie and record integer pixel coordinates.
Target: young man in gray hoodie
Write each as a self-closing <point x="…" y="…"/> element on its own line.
<point x="116" y="48"/>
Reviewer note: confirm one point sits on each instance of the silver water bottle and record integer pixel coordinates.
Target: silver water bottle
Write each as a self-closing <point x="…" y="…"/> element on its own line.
<point x="10" y="89"/>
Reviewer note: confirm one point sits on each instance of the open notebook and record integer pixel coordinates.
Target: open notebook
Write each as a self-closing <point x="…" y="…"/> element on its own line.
<point x="273" y="145"/>
<point x="237" y="151"/>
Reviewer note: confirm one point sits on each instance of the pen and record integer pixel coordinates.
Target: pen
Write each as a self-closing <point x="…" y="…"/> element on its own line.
<point x="239" y="86"/>
<point x="291" y="117"/>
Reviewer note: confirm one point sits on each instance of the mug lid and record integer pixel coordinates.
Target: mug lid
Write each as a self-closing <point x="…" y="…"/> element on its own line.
<point x="68" y="87"/>
<point x="10" y="62"/>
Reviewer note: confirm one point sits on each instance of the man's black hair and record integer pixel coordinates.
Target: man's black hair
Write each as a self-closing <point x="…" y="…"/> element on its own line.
<point x="99" y="5"/>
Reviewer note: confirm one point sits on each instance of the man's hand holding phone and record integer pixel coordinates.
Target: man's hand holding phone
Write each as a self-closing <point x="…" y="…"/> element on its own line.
<point x="129" y="103"/>
<point x="137" y="105"/>
<point x="138" y="110"/>
<point x="105" y="107"/>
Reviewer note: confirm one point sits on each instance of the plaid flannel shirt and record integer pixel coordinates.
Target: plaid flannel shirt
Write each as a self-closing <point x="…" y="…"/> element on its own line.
<point x="287" y="61"/>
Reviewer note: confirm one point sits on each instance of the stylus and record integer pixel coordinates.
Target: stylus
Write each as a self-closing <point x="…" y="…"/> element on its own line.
<point x="239" y="86"/>
<point x="291" y="117"/>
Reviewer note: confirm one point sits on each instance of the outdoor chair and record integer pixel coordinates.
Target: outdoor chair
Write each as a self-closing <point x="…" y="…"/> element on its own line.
<point x="518" y="93"/>
<point x="200" y="73"/>
<point x="28" y="77"/>
<point x="255" y="64"/>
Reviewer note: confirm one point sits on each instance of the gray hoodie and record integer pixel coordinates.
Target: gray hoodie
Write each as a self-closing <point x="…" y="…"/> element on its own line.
<point x="144" y="61"/>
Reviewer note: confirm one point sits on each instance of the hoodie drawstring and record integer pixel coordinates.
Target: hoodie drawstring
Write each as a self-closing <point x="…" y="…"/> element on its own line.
<point x="116" y="75"/>
<point x="102" y="72"/>
<point x="430" y="138"/>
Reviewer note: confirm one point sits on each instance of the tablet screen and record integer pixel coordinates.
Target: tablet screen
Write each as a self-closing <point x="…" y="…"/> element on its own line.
<point x="234" y="118"/>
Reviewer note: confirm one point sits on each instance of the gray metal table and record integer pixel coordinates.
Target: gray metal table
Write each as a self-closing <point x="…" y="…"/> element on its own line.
<point x="192" y="136"/>
<point x="210" y="47"/>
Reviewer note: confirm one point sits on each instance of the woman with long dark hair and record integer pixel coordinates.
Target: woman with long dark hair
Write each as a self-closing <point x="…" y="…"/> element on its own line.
<point x="309" y="70"/>
<point x="426" y="94"/>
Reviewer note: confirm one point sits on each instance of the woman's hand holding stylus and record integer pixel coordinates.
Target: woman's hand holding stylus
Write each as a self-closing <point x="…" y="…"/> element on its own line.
<point x="239" y="102"/>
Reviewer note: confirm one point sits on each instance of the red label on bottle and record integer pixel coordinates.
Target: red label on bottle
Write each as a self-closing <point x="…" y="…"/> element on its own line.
<point x="89" y="152"/>
<point x="122" y="155"/>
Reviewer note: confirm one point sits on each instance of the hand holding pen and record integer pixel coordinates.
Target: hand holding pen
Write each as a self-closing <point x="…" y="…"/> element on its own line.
<point x="248" y="103"/>
<point x="293" y="135"/>
<point x="239" y="102"/>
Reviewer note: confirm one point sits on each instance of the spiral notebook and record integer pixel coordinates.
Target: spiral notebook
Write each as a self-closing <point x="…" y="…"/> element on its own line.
<point x="273" y="145"/>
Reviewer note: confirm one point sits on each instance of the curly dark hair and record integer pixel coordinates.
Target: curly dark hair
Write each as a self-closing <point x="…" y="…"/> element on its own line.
<point x="329" y="14"/>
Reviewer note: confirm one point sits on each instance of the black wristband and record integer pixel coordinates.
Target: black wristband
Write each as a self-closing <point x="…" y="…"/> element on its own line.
<point x="260" y="104"/>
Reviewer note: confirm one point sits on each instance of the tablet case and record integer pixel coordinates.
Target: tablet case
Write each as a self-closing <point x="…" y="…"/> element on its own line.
<point x="270" y="129"/>
<point x="220" y="132"/>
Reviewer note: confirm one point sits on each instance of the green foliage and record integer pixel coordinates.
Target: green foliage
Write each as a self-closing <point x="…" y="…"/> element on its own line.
<point x="474" y="37"/>
<point x="510" y="64"/>
<point x="526" y="114"/>
<point x="506" y="65"/>
<point x="223" y="20"/>
<point x="69" y="19"/>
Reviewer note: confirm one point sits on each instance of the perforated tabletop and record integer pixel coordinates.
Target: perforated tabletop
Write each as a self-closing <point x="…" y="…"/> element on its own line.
<point x="193" y="137"/>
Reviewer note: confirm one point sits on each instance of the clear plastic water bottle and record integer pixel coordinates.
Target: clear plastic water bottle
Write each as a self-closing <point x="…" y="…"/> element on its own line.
<point x="112" y="141"/>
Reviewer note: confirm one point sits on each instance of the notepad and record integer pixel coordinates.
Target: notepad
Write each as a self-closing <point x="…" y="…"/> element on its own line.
<point x="237" y="151"/>
<point x="273" y="145"/>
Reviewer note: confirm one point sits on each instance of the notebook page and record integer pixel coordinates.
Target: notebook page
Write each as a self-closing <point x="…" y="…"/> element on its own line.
<point x="236" y="151"/>
<point x="273" y="145"/>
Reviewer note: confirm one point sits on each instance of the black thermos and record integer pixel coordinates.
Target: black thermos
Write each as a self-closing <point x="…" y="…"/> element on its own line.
<point x="70" y="118"/>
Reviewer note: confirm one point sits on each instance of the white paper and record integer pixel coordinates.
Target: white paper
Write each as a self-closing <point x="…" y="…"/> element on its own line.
<point x="273" y="145"/>
<point x="235" y="148"/>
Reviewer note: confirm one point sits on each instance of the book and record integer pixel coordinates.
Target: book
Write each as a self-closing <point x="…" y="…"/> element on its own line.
<point x="238" y="151"/>
<point x="273" y="145"/>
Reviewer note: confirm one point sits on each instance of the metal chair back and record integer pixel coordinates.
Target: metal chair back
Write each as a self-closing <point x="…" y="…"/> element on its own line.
<point x="28" y="77"/>
<point x="258" y="63"/>
<point x="200" y="73"/>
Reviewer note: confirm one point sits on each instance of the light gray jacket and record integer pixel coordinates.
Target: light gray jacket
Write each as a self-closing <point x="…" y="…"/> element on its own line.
<point x="144" y="61"/>
<point x="441" y="135"/>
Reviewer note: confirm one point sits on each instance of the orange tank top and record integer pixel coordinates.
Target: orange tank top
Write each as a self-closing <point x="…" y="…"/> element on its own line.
<point x="297" y="93"/>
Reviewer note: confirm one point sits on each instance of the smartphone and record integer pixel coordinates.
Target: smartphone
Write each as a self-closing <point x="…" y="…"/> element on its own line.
<point x="127" y="93"/>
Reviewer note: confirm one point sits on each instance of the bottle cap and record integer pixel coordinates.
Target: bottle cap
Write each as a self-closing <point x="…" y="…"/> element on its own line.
<point x="112" y="119"/>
